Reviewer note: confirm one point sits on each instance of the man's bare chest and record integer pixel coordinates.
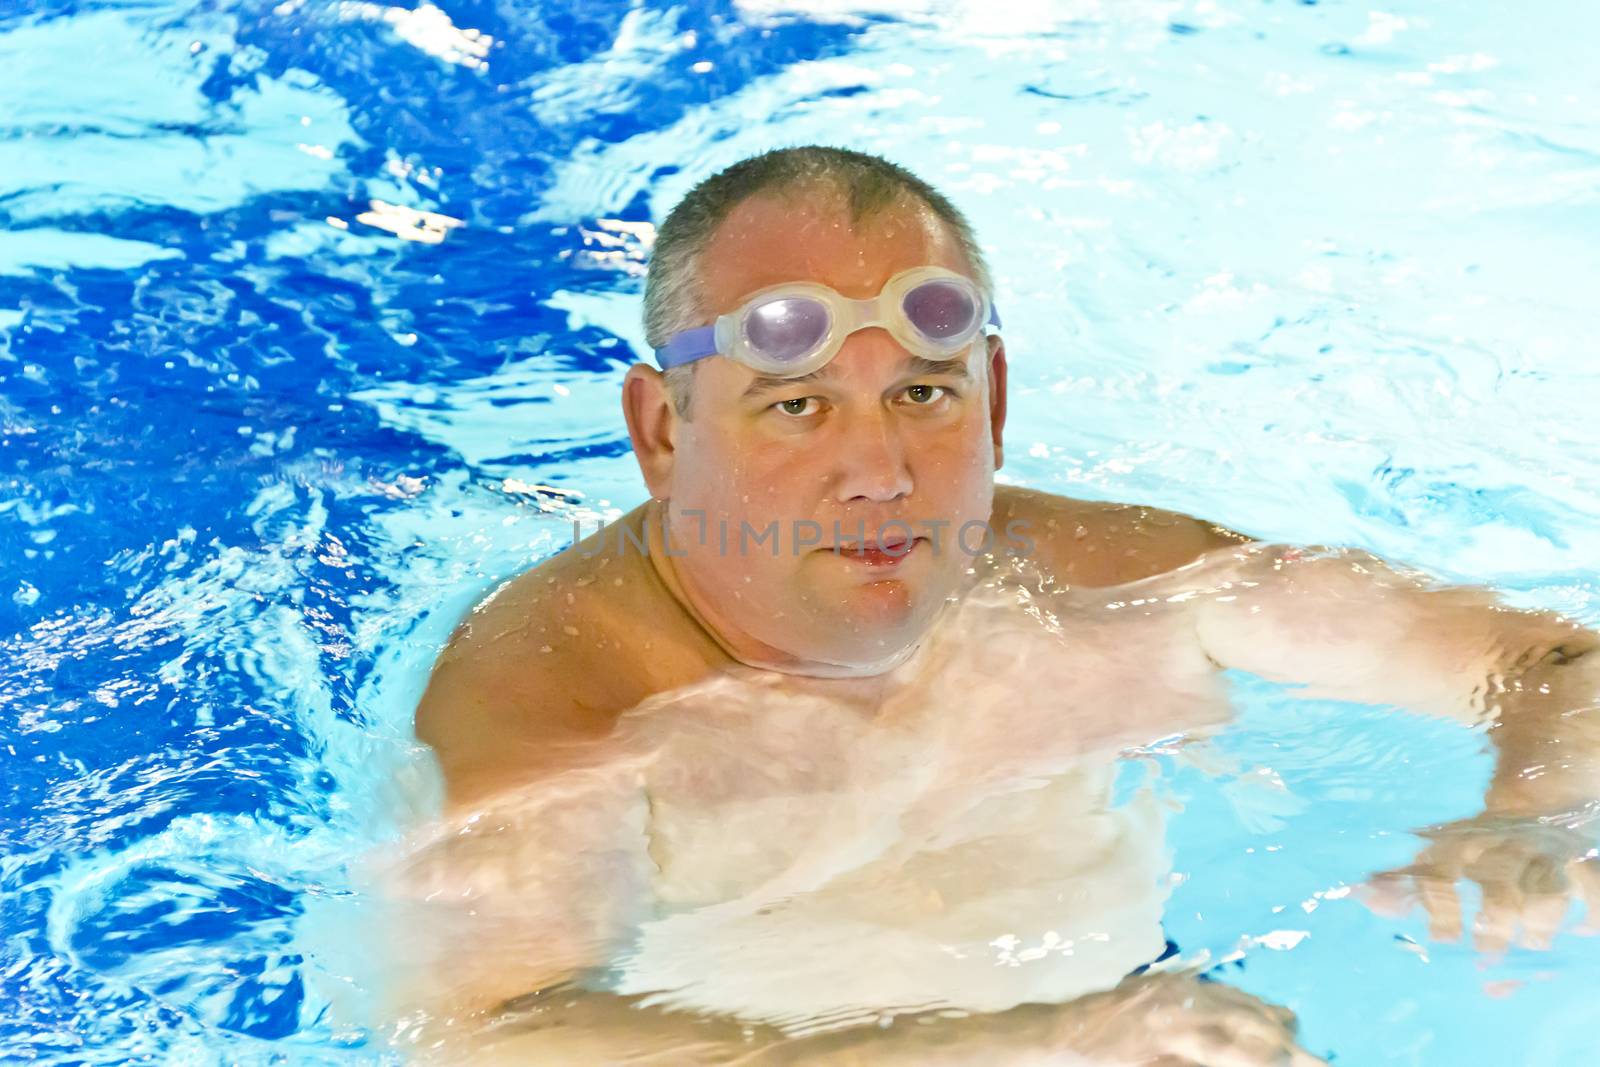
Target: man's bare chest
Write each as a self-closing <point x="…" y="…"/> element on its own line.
<point x="1005" y="727"/>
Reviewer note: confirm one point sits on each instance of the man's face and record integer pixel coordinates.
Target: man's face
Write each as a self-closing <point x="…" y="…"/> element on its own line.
<point x="878" y="445"/>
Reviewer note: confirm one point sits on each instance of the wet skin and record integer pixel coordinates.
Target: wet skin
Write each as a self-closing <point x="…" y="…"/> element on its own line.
<point x="872" y="439"/>
<point x="535" y="687"/>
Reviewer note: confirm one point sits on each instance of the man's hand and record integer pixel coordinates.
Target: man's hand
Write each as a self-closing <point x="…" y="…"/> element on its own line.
<point x="1347" y="626"/>
<point x="1529" y="870"/>
<point x="1536" y="847"/>
<point x="1178" y="1020"/>
<point x="1170" y="1019"/>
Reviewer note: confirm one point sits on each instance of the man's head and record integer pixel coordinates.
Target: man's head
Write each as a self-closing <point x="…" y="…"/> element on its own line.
<point x="880" y="435"/>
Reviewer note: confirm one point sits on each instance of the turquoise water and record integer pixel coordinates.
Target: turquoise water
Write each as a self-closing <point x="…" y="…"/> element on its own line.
<point x="301" y="304"/>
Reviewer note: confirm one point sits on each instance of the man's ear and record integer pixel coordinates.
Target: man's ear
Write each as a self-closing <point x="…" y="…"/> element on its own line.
<point x="652" y="426"/>
<point x="997" y="395"/>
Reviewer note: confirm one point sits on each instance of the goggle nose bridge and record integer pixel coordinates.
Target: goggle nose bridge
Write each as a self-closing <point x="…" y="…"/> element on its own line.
<point x="868" y="312"/>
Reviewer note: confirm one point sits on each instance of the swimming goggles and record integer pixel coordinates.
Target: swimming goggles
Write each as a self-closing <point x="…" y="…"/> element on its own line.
<point x="792" y="329"/>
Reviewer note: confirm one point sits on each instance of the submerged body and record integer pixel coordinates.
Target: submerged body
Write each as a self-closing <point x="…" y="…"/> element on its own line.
<point x="817" y="852"/>
<point x="813" y="863"/>
<point x="811" y="783"/>
<point x="813" y="853"/>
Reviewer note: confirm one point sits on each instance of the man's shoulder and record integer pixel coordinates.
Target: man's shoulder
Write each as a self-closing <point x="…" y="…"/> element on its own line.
<point x="535" y="610"/>
<point x="1100" y="543"/>
<point x="537" y="670"/>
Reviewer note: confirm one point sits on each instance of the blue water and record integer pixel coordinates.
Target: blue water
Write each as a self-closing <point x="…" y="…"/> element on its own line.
<point x="312" y="317"/>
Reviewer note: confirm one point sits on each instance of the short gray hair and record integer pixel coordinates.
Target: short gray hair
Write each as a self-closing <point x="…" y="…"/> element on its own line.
<point x="869" y="184"/>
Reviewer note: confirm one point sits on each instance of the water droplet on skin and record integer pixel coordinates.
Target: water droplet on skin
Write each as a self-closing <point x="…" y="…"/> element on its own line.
<point x="546" y="648"/>
<point x="571" y="599"/>
<point x="616" y="581"/>
<point x="570" y="631"/>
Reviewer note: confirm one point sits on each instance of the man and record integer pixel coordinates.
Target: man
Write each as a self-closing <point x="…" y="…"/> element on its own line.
<point x="797" y="696"/>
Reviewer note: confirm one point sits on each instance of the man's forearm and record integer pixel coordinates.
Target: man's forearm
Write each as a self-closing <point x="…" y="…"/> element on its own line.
<point x="1547" y="733"/>
<point x="1346" y="626"/>
<point x="1148" y="1018"/>
<point x="571" y="1026"/>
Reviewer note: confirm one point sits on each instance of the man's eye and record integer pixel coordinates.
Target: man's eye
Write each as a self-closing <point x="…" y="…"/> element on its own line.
<point x="800" y="405"/>
<point x="923" y="395"/>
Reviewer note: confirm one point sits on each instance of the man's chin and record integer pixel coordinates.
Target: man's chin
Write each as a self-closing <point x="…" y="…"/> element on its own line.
<point x="877" y="625"/>
<point x="864" y="659"/>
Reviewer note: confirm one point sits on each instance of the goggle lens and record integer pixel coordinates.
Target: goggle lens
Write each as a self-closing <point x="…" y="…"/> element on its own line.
<point x="941" y="310"/>
<point x="787" y="330"/>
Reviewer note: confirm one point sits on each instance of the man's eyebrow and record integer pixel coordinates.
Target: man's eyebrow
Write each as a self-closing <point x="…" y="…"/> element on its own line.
<point x="916" y="367"/>
<point x="766" y="384"/>
<point x="936" y="368"/>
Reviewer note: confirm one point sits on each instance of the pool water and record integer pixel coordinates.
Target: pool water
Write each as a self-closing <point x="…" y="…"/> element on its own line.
<point x="312" y="320"/>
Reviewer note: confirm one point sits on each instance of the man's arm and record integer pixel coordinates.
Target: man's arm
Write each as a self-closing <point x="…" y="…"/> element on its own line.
<point x="1347" y="626"/>
<point x="539" y="865"/>
<point x="1151" y="1018"/>
<point x="1533" y="848"/>
<point x="526" y="889"/>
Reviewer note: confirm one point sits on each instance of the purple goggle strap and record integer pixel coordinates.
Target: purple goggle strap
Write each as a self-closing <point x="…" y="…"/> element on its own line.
<point x="690" y="345"/>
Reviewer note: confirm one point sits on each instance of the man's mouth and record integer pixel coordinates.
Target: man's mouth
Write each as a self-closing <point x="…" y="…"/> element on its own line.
<point x="883" y="553"/>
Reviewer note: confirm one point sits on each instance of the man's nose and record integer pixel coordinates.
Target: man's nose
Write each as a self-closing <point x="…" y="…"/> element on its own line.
<point x="872" y="463"/>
